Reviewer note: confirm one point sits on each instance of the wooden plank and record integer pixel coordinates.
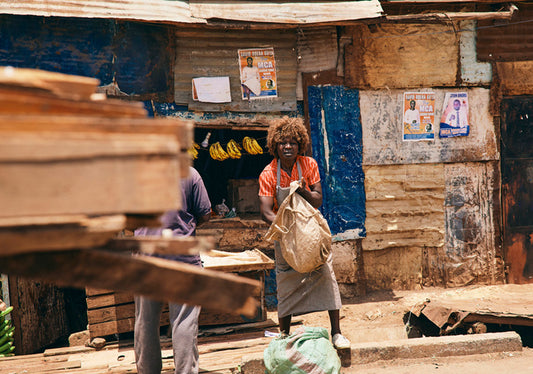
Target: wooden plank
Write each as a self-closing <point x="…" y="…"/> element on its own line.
<point x="39" y="314"/>
<point x="119" y="326"/>
<point x="26" y="234"/>
<point x="181" y="129"/>
<point x="101" y="301"/>
<point x="138" y="274"/>
<point x="117" y="313"/>
<point x="23" y="101"/>
<point x="91" y="291"/>
<point x="82" y="174"/>
<point x="113" y="313"/>
<point x="249" y="260"/>
<point x="159" y="245"/>
<point x="58" y="84"/>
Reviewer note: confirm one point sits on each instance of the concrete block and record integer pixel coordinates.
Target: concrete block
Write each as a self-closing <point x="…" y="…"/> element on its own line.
<point x="457" y="345"/>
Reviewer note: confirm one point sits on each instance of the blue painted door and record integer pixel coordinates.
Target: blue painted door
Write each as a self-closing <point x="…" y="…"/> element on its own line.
<point x="336" y="137"/>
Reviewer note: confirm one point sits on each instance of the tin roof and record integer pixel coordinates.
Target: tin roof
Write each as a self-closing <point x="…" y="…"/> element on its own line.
<point x="199" y="11"/>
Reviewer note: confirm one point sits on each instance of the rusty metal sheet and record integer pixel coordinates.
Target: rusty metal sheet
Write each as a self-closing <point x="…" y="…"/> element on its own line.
<point x="517" y="187"/>
<point x="454" y="311"/>
<point x="471" y="253"/>
<point x="141" y="10"/>
<point x="212" y="53"/>
<point x="381" y="118"/>
<point x="402" y="55"/>
<point x="296" y="12"/>
<point x="498" y="40"/>
<point x="515" y="77"/>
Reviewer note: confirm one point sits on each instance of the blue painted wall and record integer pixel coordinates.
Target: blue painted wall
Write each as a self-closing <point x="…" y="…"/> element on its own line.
<point x="338" y="149"/>
<point x="138" y="55"/>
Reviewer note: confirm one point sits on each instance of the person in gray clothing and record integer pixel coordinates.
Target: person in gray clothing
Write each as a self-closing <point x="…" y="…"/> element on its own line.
<point x="196" y="209"/>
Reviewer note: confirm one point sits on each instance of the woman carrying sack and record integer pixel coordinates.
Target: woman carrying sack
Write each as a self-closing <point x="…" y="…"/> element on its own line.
<point x="298" y="293"/>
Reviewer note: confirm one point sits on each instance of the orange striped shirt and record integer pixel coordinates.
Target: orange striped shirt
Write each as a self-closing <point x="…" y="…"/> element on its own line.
<point x="267" y="178"/>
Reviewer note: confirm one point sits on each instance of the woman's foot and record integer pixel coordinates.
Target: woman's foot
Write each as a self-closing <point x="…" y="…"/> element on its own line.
<point x="340" y="342"/>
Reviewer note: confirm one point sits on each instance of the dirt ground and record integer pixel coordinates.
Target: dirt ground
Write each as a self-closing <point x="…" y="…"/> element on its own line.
<point x="378" y="316"/>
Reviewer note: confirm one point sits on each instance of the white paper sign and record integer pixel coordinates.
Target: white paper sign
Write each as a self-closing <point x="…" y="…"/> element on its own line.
<point x="211" y="89"/>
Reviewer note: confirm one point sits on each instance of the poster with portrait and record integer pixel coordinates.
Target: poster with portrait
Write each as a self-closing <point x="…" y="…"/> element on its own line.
<point x="418" y="116"/>
<point x="454" y="120"/>
<point x="257" y="73"/>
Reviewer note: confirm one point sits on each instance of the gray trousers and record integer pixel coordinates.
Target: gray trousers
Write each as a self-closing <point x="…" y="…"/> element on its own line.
<point x="184" y="325"/>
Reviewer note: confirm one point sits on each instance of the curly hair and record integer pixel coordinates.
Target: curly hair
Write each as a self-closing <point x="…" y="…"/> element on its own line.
<point x="287" y="127"/>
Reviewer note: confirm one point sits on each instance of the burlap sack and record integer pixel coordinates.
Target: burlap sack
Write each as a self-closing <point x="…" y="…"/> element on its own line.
<point x="302" y="231"/>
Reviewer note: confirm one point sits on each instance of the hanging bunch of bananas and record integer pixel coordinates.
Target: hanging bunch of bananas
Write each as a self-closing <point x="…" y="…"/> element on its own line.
<point x="234" y="149"/>
<point x="193" y="151"/>
<point x="217" y="152"/>
<point x="6" y="334"/>
<point x="251" y="146"/>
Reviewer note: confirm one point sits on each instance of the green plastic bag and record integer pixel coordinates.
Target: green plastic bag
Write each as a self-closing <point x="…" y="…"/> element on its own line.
<point x="307" y="350"/>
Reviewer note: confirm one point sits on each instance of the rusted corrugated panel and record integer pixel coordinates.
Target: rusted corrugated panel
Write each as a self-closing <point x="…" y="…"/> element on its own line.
<point x="515" y="77"/>
<point x="317" y="51"/>
<point x="507" y="41"/>
<point x="142" y="10"/>
<point x="404" y="219"/>
<point x="212" y="53"/>
<point x="296" y="12"/>
<point x="517" y="187"/>
<point x="401" y="56"/>
<point x="404" y="206"/>
<point x="196" y="11"/>
<point x="381" y="118"/>
<point x="472" y="249"/>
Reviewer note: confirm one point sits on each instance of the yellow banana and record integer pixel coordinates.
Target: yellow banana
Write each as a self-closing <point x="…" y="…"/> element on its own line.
<point x="257" y="148"/>
<point x="193" y="151"/>
<point x="233" y="149"/>
<point x="222" y="154"/>
<point x="247" y="145"/>
<point x="213" y="153"/>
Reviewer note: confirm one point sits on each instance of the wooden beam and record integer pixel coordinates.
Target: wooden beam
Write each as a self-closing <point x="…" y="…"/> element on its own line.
<point x="58" y="84"/>
<point x="157" y="278"/>
<point x="455" y="16"/>
<point x="68" y="123"/>
<point x="45" y="233"/>
<point x="159" y="245"/>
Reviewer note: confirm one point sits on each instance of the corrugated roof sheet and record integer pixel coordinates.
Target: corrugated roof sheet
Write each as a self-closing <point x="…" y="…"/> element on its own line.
<point x="295" y="12"/>
<point x="198" y="11"/>
<point x="142" y="10"/>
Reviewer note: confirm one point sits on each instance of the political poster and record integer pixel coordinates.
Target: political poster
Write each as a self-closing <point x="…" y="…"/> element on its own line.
<point x="418" y="116"/>
<point x="454" y="120"/>
<point x="257" y="73"/>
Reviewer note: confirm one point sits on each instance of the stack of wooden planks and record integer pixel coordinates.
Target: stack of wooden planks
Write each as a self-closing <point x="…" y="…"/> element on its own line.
<point x="111" y="312"/>
<point x="77" y="169"/>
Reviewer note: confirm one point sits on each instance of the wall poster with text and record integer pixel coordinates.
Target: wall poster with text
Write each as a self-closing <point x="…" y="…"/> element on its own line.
<point x="418" y="116"/>
<point x="454" y="120"/>
<point x="258" y="73"/>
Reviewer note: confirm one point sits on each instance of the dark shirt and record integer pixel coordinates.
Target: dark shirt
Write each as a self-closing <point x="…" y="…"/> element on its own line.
<point x="195" y="203"/>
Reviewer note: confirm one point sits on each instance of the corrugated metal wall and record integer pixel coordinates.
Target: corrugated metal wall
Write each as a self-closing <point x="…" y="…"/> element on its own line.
<point x="507" y="40"/>
<point x="317" y="51"/>
<point x="210" y="53"/>
<point x="402" y="56"/>
<point x="432" y="206"/>
<point x="381" y="116"/>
